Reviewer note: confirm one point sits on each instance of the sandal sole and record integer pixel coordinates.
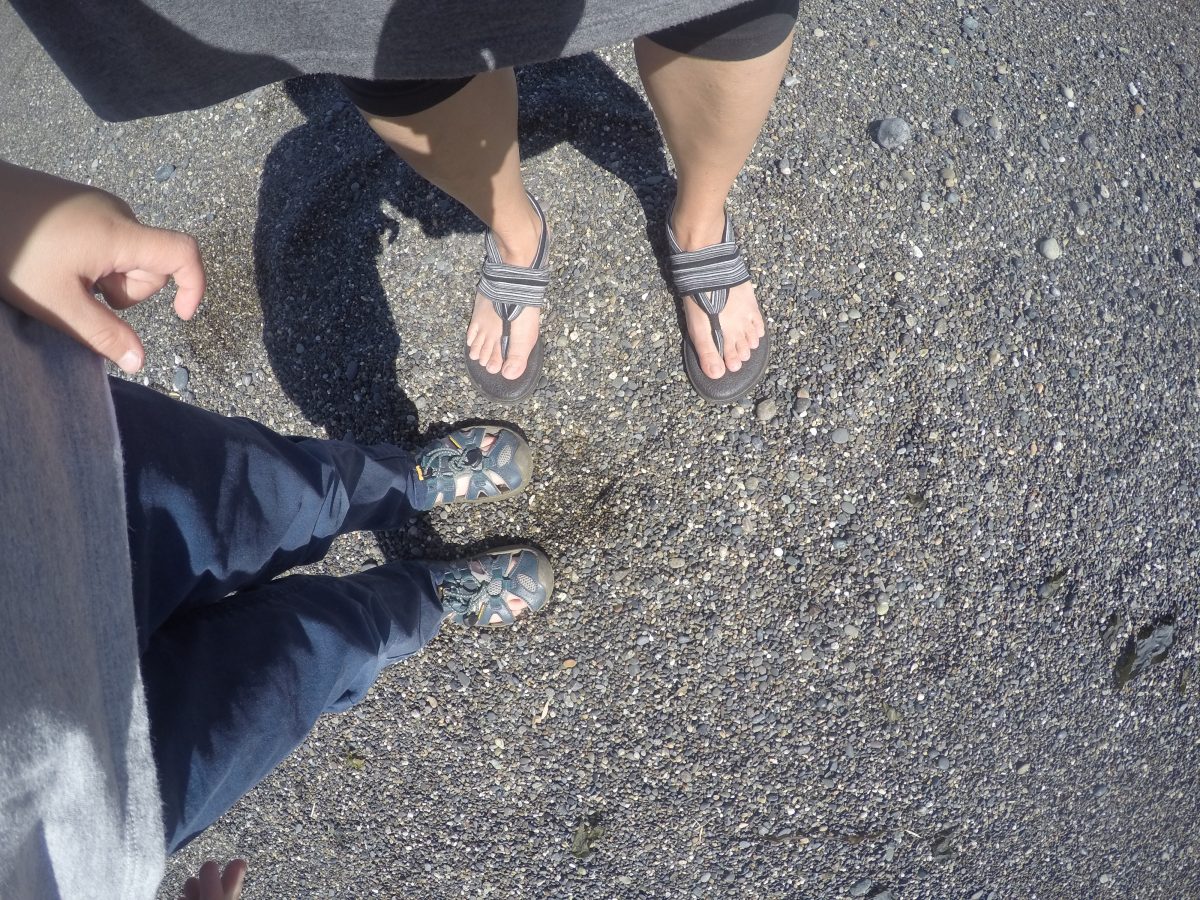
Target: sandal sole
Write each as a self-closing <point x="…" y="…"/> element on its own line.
<point x="501" y="390"/>
<point x="737" y="384"/>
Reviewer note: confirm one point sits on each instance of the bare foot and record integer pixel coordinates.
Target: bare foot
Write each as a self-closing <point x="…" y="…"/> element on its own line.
<point x="518" y="245"/>
<point x="741" y="320"/>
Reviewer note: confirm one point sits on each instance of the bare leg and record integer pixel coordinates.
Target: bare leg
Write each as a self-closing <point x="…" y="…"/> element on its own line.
<point x="467" y="146"/>
<point x="711" y="112"/>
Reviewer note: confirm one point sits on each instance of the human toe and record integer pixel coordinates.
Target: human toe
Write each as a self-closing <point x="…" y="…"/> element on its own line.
<point x="712" y="364"/>
<point x="514" y="366"/>
<point x="494" y="361"/>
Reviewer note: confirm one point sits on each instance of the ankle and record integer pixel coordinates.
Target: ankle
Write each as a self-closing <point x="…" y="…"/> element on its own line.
<point x="517" y="236"/>
<point x="697" y="229"/>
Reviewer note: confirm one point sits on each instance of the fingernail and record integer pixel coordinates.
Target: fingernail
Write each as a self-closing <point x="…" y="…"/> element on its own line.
<point x="130" y="362"/>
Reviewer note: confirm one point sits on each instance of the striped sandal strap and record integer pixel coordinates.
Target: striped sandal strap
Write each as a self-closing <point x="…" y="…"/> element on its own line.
<point x="513" y="288"/>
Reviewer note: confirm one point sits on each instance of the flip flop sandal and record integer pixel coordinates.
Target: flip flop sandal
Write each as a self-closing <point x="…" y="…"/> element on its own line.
<point x="457" y="468"/>
<point x="511" y="289"/>
<point x="477" y="591"/>
<point x="706" y="275"/>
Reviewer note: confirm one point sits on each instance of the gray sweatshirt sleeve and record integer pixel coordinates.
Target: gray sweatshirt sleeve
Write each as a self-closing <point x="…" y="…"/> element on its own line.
<point x="79" y="806"/>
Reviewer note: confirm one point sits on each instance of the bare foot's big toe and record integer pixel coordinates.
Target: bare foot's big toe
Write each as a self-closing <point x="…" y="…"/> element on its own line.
<point x="522" y="338"/>
<point x="485" y="336"/>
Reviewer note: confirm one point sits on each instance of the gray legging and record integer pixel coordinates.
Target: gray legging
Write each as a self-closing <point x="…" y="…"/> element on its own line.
<point x="742" y="32"/>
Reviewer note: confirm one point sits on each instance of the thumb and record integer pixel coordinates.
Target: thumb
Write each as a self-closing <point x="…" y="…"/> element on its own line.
<point x="233" y="878"/>
<point x="96" y="326"/>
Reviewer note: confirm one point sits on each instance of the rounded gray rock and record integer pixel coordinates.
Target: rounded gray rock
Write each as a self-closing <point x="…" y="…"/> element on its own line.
<point x="180" y="379"/>
<point x="1049" y="248"/>
<point x="963" y="117"/>
<point x="840" y="435"/>
<point x="892" y="133"/>
<point x="765" y="410"/>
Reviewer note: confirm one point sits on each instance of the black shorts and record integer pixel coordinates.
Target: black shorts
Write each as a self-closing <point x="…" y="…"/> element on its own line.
<point x="746" y="31"/>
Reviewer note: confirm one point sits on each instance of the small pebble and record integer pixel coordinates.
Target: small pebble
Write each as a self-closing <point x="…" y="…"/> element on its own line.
<point x="963" y="117"/>
<point x="180" y="378"/>
<point x="862" y="887"/>
<point x="1049" y="248"/>
<point x="765" y="410"/>
<point x="893" y="133"/>
<point x="1186" y="259"/>
<point x="840" y="435"/>
<point x="164" y="172"/>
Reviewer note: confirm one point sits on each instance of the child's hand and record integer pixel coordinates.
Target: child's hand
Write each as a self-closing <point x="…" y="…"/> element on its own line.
<point x="61" y="242"/>
<point x="214" y="884"/>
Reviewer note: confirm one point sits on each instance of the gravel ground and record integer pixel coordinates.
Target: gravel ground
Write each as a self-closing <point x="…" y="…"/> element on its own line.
<point x="857" y="636"/>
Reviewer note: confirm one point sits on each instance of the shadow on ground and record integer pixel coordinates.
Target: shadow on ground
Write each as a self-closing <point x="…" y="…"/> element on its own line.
<point x="328" y="327"/>
<point x="321" y="224"/>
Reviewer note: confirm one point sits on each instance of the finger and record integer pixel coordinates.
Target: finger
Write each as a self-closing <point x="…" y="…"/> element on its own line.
<point x="210" y="881"/>
<point x="233" y="878"/>
<point x="168" y="253"/>
<point x="123" y="290"/>
<point x="191" y="889"/>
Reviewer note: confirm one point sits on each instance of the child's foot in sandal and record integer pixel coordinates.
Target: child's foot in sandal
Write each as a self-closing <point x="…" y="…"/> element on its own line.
<point x="471" y="465"/>
<point x="495" y="588"/>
